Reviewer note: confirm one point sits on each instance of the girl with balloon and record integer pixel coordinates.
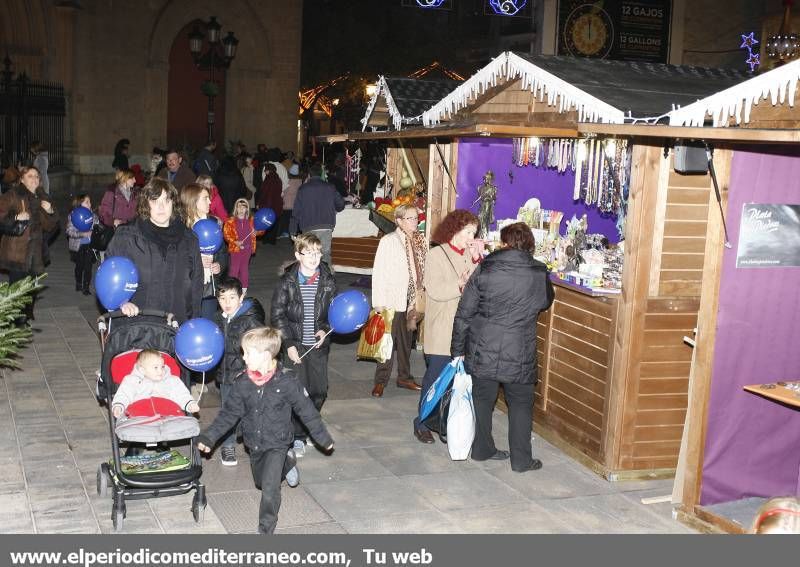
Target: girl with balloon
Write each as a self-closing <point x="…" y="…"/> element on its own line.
<point x="240" y="234"/>
<point x="196" y="201"/>
<point x="79" y="230"/>
<point x="165" y="253"/>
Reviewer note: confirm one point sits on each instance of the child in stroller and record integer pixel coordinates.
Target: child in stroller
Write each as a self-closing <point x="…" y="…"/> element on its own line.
<point x="152" y="417"/>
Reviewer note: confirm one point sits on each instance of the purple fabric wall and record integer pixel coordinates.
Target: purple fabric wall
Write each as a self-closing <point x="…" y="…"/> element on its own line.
<point x="752" y="444"/>
<point x="553" y="189"/>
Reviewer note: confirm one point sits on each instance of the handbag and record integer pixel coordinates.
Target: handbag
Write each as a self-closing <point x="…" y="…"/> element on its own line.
<point x="103" y="233"/>
<point x="375" y="342"/>
<point x="10" y="226"/>
<point x="460" y="416"/>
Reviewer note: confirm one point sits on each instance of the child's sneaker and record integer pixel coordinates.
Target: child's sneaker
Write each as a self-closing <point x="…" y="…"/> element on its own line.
<point x="293" y="475"/>
<point x="229" y="456"/>
<point x="299" y="448"/>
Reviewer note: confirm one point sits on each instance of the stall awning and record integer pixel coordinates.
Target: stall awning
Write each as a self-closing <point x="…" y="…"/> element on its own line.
<point x="400" y="101"/>
<point x="736" y="102"/>
<point x="598" y="90"/>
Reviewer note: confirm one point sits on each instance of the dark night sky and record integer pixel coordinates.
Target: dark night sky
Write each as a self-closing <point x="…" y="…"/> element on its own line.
<point x="371" y="37"/>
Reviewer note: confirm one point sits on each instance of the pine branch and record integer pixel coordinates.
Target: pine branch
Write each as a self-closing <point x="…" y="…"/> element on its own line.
<point x="14" y="334"/>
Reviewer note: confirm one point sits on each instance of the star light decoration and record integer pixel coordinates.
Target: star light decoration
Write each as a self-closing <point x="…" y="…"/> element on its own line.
<point x="507" y="7"/>
<point x="753" y="59"/>
<point x="430" y="3"/>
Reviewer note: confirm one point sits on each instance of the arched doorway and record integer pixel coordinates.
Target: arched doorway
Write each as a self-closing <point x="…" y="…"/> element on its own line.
<point x="187" y="106"/>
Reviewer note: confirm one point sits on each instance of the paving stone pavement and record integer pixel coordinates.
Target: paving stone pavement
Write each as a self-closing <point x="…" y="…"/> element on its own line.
<point x="53" y="435"/>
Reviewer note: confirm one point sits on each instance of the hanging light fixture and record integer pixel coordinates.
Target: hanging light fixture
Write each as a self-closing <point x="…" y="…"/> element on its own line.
<point x="784" y="46"/>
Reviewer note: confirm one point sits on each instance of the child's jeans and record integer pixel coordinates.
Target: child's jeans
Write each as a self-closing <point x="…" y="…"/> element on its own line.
<point x="240" y="266"/>
<point x="269" y="468"/>
<point x="313" y="375"/>
<point x="84" y="258"/>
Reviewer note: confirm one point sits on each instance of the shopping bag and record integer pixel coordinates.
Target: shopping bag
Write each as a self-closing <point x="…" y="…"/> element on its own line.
<point x="437" y="390"/>
<point x="375" y="342"/>
<point x="461" y="416"/>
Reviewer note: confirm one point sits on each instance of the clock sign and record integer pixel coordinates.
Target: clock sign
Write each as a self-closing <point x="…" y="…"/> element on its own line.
<point x="588" y="31"/>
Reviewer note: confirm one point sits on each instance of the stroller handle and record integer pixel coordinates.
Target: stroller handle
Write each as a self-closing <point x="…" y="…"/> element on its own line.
<point x="105" y="317"/>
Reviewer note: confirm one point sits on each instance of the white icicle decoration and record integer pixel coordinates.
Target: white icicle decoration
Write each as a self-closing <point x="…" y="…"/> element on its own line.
<point x="398" y="119"/>
<point x="777" y="86"/>
<point x="510" y="66"/>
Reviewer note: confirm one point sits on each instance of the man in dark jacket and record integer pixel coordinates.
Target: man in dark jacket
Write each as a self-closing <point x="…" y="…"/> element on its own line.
<point x="176" y="172"/>
<point x="315" y="209"/>
<point x="206" y="162"/>
<point x="300" y="311"/>
<point x="238" y="315"/>
<point x="495" y="332"/>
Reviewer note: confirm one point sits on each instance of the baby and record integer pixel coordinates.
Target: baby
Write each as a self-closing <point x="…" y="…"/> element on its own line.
<point x="151" y="378"/>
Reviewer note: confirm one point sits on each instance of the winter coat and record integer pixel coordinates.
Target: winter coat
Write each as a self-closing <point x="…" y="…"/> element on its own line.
<point x="287" y="306"/>
<point x="170" y="277"/>
<point x="221" y="257"/>
<point x="495" y="324"/>
<point x="42" y="163"/>
<point x="206" y="163"/>
<point x="443" y="268"/>
<point x="135" y="386"/>
<point x="230" y="235"/>
<point x="266" y="413"/>
<point x="315" y="206"/>
<point x="270" y="194"/>
<point x="249" y="316"/>
<point x="231" y="186"/>
<point x="115" y="206"/>
<point x="183" y="176"/>
<point x="390" y="272"/>
<point x="24" y="253"/>
<point x="74" y="236"/>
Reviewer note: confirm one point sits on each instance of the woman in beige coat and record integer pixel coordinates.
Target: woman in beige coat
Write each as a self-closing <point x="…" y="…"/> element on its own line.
<point x="447" y="269"/>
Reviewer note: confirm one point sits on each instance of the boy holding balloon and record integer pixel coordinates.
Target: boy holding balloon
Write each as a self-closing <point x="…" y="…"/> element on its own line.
<point x="79" y="230"/>
<point x="300" y="306"/>
<point x="263" y="398"/>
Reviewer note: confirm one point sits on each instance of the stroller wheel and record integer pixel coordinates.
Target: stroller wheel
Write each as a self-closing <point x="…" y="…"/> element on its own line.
<point x="198" y="509"/>
<point x="117" y="518"/>
<point x="102" y="481"/>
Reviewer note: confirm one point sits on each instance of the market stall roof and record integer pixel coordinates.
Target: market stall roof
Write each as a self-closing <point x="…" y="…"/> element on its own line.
<point x="736" y="102"/>
<point x="598" y="90"/>
<point x="400" y="101"/>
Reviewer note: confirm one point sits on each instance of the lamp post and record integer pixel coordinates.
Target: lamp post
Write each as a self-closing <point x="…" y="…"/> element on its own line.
<point x="214" y="58"/>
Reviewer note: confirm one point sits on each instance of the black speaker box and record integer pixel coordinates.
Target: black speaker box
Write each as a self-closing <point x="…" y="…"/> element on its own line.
<point x="691" y="159"/>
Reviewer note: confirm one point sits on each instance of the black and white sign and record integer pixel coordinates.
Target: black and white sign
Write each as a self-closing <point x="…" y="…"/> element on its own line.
<point x="769" y="236"/>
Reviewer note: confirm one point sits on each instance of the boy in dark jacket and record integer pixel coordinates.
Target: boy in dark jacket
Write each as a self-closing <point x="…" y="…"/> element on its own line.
<point x="238" y="316"/>
<point x="263" y="397"/>
<point x="300" y="311"/>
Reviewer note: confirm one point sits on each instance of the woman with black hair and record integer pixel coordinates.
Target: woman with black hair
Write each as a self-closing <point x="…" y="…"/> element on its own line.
<point x="495" y="334"/>
<point x="121" y="154"/>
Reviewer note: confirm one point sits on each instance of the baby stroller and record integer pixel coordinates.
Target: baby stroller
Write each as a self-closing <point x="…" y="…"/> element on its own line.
<point x="121" y="339"/>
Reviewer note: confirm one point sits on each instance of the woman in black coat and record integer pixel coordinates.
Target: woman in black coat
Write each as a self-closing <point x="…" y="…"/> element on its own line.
<point x="495" y="333"/>
<point x="165" y="252"/>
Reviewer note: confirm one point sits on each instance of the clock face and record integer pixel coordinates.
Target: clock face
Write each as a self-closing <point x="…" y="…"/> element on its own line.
<point x="588" y="32"/>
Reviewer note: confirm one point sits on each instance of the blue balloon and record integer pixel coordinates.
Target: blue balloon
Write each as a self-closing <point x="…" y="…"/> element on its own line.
<point x="199" y="344"/>
<point x="348" y="312"/>
<point x="209" y="234"/>
<point x="263" y="219"/>
<point x="115" y="282"/>
<point x="82" y="219"/>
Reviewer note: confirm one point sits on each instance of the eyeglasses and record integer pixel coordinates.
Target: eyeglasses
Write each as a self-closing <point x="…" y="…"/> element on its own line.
<point x="409" y="218"/>
<point x="311" y="254"/>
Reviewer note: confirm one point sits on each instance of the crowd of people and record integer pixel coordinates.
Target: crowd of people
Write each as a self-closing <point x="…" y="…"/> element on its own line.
<point x="273" y="377"/>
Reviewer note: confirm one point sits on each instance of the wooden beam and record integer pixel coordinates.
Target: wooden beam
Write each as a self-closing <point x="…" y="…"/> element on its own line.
<point x="703" y="359"/>
<point x="755" y="135"/>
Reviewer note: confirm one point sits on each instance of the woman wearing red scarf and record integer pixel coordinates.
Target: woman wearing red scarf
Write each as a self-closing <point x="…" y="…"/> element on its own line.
<point x="447" y="269"/>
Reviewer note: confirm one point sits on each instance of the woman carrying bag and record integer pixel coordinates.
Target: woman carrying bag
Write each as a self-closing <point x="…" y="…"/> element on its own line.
<point x="495" y="333"/>
<point x="26" y="214"/>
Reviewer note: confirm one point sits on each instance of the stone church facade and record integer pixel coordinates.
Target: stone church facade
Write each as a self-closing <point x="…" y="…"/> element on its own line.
<point x="113" y="58"/>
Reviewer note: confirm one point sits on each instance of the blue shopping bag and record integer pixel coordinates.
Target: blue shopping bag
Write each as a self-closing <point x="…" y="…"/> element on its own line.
<point x="438" y="388"/>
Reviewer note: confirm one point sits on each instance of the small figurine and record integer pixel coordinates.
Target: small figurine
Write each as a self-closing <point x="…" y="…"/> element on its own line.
<point x="487" y="195"/>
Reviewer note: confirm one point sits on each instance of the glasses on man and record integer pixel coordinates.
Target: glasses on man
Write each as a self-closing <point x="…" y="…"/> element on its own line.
<point x="416" y="218"/>
<point x="311" y="254"/>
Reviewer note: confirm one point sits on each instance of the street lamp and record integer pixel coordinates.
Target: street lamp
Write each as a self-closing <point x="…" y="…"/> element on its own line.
<point x="214" y="58"/>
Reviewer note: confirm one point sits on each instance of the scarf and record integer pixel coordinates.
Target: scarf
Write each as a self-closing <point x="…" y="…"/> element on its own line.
<point x="260" y="379"/>
<point x="126" y="192"/>
<point x="415" y="258"/>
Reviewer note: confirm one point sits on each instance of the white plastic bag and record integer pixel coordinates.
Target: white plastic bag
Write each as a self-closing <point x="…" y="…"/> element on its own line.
<point x="461" y="417"/>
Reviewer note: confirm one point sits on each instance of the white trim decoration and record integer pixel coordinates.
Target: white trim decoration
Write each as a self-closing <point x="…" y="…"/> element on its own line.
<point x="510" y="66"/>
<point x="778" y="85"/>
<point x="382" y="88"/>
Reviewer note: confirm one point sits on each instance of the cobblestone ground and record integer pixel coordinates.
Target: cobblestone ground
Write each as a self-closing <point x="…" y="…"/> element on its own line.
<point x="53" y="435"/>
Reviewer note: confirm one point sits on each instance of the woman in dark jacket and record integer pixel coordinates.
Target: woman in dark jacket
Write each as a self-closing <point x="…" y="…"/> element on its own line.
<point x="165" y="252"/>
<point x="21" y="255"/>
<point x="495" y="333"/>
<point x="230" y="183"/>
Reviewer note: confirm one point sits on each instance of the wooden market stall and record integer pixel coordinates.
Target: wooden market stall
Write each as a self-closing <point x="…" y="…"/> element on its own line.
<point x="614" y="369"/>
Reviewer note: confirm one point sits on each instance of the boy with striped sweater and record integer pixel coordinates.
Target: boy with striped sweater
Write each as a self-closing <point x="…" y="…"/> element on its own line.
<point x="300" y="311"/>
